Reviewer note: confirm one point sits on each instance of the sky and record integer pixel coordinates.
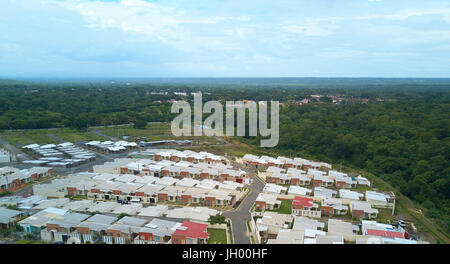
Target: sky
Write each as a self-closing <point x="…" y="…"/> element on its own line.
<point x="220" y="38"/>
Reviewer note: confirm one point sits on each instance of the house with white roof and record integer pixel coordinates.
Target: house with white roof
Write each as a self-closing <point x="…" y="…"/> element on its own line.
<point x="362" y="209"/>
<point x="274" y="188"/>
<point x="267" y="201"/>
<point x="287" y="236"/>
<point x="362" y="181"/>
<point x="380" y="199"/>
<point x="61" y="229"/>
<point x="199" y="214"/>
<point x="153" y="211"/>
<point x="322" y="181"/>
<point x="94" y="228"/>
<point x="297" y="190"/>
<point x="342" y="228"/>
<point x="345" y="182"/>
<point x="351" y="195"/>
<point x="271" y="223"/>
<point x="102" y="207"/>
<point x="324" y="193"/>
<point x="158" y="231"/>
<point x="305" y="223"/>
<point x="332" y="207"/>
<point x="8" y="217"/>
<point x="124" y="231"/>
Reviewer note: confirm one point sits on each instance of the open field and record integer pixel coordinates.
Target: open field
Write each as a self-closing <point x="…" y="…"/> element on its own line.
<point x="20" y="138"/>
<point x="74" y="135"/>
<point x="153" y="129"/>
<point x="153" y="132"/>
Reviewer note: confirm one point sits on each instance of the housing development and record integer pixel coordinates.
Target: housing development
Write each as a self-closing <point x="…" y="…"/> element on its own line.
<point x="224" y="130"/>
<point x="156" y="194"/>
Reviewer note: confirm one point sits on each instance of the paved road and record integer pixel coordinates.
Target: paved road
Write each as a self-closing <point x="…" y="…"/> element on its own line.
<point x="56" y="138"/>
<point x="240" y="216"/>
<point x="102" y="135"/>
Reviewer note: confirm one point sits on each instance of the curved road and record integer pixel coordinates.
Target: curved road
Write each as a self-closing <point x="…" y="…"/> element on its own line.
<point x="240" y="216"/>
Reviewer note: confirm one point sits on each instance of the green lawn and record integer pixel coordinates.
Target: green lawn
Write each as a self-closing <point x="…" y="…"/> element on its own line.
<point x="162" y="129"/>
<point x="361" y="188"/>
<point x="217" y="236"/>
<point x="22" y="139"/>
<point x="75" y="136"/>
<point x="285" y="208"/>
<point x="27" y="242"/>
<point x="385" y="214"/>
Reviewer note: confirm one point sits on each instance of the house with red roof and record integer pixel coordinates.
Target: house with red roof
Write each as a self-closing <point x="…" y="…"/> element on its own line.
<point x="372" y="228"/>
<point x="386" y="233"/>
<point x="190" y="233"/>
<point x="304" y="206"/>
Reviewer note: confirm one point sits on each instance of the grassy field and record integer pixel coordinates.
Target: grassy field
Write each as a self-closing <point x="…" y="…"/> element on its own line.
<point x="236" y="149"/>
<point x="385" y="216"/>
<point x="20" y="138"/>
<point x="217" y="236"/>
<point x="153" y="132"/>
<point x="160" y="129"/>
<point x="75" y="136"/>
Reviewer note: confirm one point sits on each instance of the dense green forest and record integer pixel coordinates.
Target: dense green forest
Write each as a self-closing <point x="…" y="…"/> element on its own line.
<point x="401" y="133"/>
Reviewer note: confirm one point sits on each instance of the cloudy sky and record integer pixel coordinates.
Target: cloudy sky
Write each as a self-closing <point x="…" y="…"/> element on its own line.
<point x="224" y="38"/>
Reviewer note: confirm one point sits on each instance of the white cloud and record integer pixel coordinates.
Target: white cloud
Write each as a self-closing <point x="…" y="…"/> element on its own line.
<point x="405" y="14"/>
<point x="174" y="27"/>
<point x="308" y="30"/>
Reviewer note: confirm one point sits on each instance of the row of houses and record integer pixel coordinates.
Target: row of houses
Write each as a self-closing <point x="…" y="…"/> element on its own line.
<point x="60" y="225"/>
<point x="174" y="168"/>
<point x="106" y="147"/>
<point x="186" y="155"/>
<point x="309" y="206"/>
<point x="146" y="189"/>
<point x="304" y="206"/>
<point x="264" y="162"/>
<point x="274" y="228"/>
<point x="317" y="178"/>
<point x="13" y="179"/>
<point x="35" y="203"/>
<point x="375" y="199"/>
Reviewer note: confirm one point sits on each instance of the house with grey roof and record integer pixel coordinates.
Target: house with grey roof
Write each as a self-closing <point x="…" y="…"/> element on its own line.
<point x="158" y="231"/>
<point x="8" y="217"/>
